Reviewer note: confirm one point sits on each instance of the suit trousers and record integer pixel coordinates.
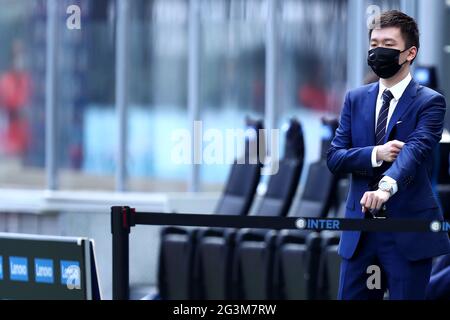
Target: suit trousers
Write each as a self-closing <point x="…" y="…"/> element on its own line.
<point x="402" y="278"/>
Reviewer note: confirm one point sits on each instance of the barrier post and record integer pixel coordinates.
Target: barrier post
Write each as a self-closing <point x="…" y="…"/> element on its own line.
<point x="120" y="228"/>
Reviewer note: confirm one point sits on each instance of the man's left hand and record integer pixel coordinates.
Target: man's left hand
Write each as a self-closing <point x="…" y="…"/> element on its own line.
<point x="374" y="200"/>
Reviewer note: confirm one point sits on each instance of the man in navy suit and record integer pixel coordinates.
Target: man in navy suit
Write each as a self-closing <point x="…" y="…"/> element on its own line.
<point x="385" y="139"/>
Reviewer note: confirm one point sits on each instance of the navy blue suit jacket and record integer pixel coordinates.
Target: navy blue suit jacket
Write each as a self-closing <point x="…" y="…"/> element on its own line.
<point x="418" y="121"/>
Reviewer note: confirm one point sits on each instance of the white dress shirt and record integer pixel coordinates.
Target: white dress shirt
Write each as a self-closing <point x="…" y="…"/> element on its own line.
<point x="397" y="91"/>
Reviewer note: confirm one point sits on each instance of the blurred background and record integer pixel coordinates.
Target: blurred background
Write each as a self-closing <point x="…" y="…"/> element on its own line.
<point x="87" y="116"/>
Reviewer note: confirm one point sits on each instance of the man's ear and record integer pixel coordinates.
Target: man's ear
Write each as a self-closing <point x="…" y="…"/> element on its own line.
<point x="412" y="53"/>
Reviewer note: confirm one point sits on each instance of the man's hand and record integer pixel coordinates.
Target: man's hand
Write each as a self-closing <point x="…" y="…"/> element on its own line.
<point x="389" y="151"/>
<point x="374" y="200"/>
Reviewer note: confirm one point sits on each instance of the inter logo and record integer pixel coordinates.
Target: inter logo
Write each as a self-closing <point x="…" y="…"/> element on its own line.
<point x="437" y="226"/>
<point x="18" y="268"/>
<point x="317" y="224"/>
<point x="323" y="224"/>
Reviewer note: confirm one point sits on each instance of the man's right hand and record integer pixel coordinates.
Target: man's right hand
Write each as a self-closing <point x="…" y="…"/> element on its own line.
<point x="389" y="151"/>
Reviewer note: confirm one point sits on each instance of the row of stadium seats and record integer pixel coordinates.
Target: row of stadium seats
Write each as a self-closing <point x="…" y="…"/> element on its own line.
<point x="215" y="263"/>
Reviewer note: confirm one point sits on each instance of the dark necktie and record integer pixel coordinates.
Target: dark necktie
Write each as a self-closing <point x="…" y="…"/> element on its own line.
<point x="380" y="134"/>
<point x="380" y="131"/>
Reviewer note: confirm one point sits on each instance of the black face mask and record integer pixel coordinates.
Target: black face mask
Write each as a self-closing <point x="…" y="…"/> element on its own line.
<point x="385" y="61"/>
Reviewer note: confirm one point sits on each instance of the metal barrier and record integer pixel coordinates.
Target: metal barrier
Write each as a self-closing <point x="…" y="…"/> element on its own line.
<point x="124" y="217"/>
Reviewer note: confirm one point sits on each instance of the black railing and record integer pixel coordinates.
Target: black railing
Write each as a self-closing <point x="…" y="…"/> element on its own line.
<point x="124" y="218"/>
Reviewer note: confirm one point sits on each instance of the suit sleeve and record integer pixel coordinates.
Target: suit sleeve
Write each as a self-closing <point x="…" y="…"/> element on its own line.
<point x="341" y="157"/>
<point x="420" y="143"/>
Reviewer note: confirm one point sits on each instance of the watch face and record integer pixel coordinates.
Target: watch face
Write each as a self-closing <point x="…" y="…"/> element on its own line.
<point x="385" y="186"/>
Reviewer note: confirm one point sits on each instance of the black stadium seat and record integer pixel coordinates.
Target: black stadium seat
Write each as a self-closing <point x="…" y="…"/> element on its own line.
<point x="329" y="259"/>
<point x="329" y="266"/>
<point x="240" y="189"/>
<point x="296" y="266"/>
<point x="207" y="239"/>
<point x="298" y="251"/>
<point x="220" y="277"/>
<point x="255" y="248"/>
<point x="177" y="274"/>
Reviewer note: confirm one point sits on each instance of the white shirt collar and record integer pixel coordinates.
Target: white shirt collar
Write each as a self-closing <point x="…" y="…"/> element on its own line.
<point x="397" y="90"/>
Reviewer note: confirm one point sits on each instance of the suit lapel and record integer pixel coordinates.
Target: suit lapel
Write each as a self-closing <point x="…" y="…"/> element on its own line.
<point x="370" y="103"/>
<point x="402" y="105"/>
